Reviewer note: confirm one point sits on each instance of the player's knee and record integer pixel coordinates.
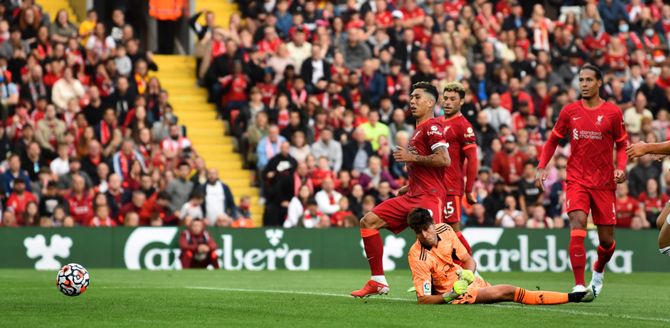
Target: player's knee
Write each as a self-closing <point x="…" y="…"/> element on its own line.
<point x="369" y="221"/>
<point x="507" y="293"/>
<point x="577" y="225"/>
<point x="606" y="244"/>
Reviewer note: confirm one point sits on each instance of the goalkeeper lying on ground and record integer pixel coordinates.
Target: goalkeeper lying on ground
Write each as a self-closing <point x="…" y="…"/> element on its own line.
<point x="438" y="280"/>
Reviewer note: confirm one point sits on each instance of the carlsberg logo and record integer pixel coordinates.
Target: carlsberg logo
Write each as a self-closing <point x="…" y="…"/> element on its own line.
<point x="166" y="258"/>
<point x="550" y="258"/>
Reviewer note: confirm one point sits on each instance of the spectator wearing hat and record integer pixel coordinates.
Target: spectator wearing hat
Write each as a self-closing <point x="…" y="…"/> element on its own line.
<point x="515" y="20"/>
<point x="397" y="28"/>
<point x="569" y="71"/>
<point x="14" y="172"/>
<point x="508" y="163"/>
<point x="198" y="248"/>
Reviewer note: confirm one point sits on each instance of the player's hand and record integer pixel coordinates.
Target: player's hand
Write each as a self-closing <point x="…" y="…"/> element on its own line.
<point x="619" y="176"/>
<point x="539" y="178"/>
<point x="466" y="275"/>
<point x="403" y="190"/>
<point x="470" y="197"/>
<point x="636" y="150"/>
<point x="402" y="155"/>
<point x="658" y="157"/>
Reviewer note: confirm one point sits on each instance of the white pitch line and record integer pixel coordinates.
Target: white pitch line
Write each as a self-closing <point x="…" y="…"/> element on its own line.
<point x="537" y="308"/>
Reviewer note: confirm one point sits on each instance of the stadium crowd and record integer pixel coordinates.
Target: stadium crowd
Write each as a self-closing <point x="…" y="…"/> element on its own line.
<point x="316" y="94"/>
<point x="87" y="138"/>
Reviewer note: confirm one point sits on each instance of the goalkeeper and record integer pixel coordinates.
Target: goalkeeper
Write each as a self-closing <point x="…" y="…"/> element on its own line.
<point x="438" y="280"/>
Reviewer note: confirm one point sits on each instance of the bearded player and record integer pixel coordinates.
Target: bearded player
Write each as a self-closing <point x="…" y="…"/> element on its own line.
<point x="593" y="127"/>
<point x="660" y="151"/>
<point x="438" y="279"/>
<point x="426" y="156"/>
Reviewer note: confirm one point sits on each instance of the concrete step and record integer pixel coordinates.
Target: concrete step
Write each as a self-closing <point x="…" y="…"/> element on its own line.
<point x="180" y="82"/>
<point x="185" y="107"/>
<point x="184" y="111"/>
<point x="234" y="174"/>
<point x="195" y="92"/>
<point x="187" y="99"/>
<point x="249" y="191"/>
<point x="174" y="71"/>
<point x="173" y="59"/>
<point x="205" y="132"/>
<point x="237" y="183"/>
<point x="222" y="164"/>
<point x="212" y="140"/>
<point x="198" y="123"/>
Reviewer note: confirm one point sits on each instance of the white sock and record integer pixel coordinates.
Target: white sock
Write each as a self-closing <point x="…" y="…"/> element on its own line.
<point x="380" y="279"/>
<point x="598" y="276"/>
<point x="665" y="250"/>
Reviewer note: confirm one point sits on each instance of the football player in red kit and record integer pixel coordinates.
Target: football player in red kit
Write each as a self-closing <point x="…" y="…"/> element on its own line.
<point x="426" y="156"/>
<point x="460" y="136"/>
<point x="593" y="127"/>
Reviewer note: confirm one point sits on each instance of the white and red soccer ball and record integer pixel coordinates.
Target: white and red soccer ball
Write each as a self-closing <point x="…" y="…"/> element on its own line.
<point x="72" y="279"/>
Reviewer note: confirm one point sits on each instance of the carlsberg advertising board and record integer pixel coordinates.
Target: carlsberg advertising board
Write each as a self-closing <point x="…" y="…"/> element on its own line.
<point x="494" y="249"/>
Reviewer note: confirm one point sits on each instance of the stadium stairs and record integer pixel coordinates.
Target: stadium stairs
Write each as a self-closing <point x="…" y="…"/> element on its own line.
<point x="177" y="76"/>
<point x="54" y="6"/>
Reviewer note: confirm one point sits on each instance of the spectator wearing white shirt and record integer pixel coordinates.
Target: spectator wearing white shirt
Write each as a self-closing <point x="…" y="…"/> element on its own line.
<point x="299" y="49"/>
<point x="61" y="165"/>
<point x="218" y="198"/>
<point x="192" y="208"/>
<point x="328" y="199"/>
<point x="297" y="206"/>
<point x="510" y="217"/>
<point x="496" y="114"/>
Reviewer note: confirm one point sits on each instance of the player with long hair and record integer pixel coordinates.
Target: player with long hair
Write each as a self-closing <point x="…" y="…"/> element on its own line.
<point x="426" y="156"/>
<point x="593" y="127"/>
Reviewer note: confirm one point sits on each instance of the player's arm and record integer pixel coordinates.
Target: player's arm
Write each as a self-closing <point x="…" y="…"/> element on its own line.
<point x="423" y="281"/>
<point x="470" y="149"/>
<point x="557" y="133"/>
<point x="641" y="148"/>
<point x="621" y="140"/>
<point x="439" y="158"/>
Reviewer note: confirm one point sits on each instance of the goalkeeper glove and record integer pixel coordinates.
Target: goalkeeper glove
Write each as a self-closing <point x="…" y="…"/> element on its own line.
<point x="459" y="288"/>
<point x="466" y="275"/>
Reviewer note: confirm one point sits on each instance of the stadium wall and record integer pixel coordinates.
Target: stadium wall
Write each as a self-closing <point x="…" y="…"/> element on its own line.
<point x="494" y="249"/>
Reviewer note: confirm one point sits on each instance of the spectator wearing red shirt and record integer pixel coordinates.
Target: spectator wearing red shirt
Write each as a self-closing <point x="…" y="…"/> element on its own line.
<point x="508" y="163"/>
<point x="653" y="201"/>
<point x="80" y="203"/>
<point x="626" y="207"/>
<point x="412" y="14"/>
<point x="597" y="39"/>
<point x="440" y="64"/>
<point x="270" y="42"/>
<point x="514" y="92"/>
<point x="18" y="200"/>
<point x="198" y="248"/>
<point x="134" y="206"/>
<point x="384" y="18"/>
<point x="235" y="88"/>
<point x="453" y="8"/>
<point x="268" y="89"/>
<point x="519" y="118"/>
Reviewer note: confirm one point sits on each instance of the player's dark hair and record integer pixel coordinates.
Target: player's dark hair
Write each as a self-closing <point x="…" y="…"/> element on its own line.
<point x="599" y="75"/>
<point x="427" y="87"/>
<point x="419" y="219"/>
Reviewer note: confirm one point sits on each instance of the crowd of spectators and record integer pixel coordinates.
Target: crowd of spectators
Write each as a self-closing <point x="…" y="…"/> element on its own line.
<point x="316" y="95"/>
<point x="87" y="138"/>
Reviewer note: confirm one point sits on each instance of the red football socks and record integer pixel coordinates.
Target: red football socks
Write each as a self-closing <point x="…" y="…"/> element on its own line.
<point x="578" y="255"/>
<point x="374" y="250"/>
<point x="464" y="242"/>
<point x="604" y="256"/>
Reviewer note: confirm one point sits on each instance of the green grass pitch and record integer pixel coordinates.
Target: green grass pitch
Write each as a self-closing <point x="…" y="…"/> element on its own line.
<point x="318" y="298"/>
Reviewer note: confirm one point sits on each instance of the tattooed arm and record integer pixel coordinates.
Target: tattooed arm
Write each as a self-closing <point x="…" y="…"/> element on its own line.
<point x="439" y="158"/>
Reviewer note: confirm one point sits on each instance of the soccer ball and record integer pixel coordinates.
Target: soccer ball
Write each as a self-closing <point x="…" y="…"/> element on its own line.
<point x="72" y="279"/>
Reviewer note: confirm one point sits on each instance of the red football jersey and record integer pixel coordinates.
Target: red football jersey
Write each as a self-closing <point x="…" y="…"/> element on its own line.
<point x="440" y="70"/>
<point x="458" y="133"/>
<point x="81" y="210"/>
<point x="625" y="210"/>
<point x="653" y="205"/>
<point x="417" y="12"/>
<point x="384" y="19"/>
<point x="425" y="179"/>
<point x="453" y="8"/>
<point x="592" y="133"/>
